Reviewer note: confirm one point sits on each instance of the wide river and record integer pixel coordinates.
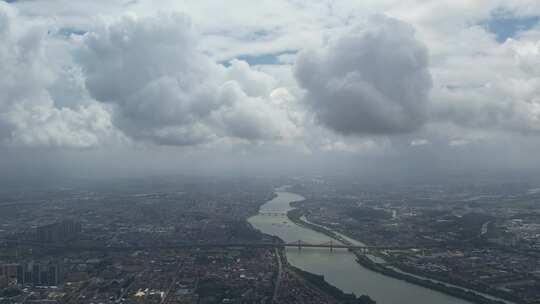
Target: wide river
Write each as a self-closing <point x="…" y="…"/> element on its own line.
<point x="339" y="267"/>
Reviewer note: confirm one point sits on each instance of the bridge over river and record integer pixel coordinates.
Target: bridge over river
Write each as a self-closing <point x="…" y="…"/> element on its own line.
<point x="331" y="245"/>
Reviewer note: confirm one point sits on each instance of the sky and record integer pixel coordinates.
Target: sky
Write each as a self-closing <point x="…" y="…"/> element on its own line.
<point x="369" y="88"/>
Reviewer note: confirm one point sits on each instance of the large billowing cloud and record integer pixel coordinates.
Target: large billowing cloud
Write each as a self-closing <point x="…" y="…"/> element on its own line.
<point x="165" y="90"/>
<point x="28" y="113"/>
<point x="373" y="79"/>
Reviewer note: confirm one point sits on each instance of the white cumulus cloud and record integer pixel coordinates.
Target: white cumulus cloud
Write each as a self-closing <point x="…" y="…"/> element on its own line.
<point x="165" y="90"/>
<point x="28" y="113"/>
<point x="373" y="79"/>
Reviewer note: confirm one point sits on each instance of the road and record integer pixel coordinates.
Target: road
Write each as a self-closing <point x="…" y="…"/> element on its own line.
<point x="173" y="283"/>
<point x="278" y="278"/>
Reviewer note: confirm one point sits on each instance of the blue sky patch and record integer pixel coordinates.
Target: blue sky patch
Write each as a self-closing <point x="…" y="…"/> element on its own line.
<point x="67" y="31"/>
<point x="261" y="59"/>
<point x="505" y="24"/>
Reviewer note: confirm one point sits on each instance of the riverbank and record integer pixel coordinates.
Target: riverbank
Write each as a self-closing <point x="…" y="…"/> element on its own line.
<point x="441" y="287"/>
<point x="319" y="282"/>
<point x="295" y="215"/>
<point x="493" y="293"/>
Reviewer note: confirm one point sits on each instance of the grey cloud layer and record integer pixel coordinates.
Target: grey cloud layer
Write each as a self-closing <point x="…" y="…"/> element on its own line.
<point x="148" y="79"/>
<point x="371" y="80"/>
<point x="133" y="87"/>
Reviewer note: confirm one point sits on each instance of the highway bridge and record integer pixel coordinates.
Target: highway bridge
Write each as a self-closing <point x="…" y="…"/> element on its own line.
<point x="331" y="245"/>
<point x="273" y="213"/>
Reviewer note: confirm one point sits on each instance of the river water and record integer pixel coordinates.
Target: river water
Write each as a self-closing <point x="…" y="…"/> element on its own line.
<point x="339" y="267"/>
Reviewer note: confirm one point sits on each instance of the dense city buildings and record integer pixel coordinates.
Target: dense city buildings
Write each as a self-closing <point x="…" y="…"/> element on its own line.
<point x="34" y="273"/>
<point x="121" y="243"/>
<point x="483" y="237"/>
<point x="43" y="258"/>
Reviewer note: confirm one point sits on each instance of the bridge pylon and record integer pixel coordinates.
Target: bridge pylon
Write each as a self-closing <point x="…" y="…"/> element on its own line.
<point x="330" y="245"/>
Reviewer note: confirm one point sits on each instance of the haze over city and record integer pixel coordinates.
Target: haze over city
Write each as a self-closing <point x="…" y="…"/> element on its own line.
<point x="271" y="152"/>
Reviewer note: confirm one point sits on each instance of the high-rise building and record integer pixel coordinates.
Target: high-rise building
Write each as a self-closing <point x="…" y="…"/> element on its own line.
<point x="3" y="277"/>
<point x="35" y="274"/>
<point x="30" y="273"/>
<point x="53" y="275"/>
<point x="20" y="274"/>
<point x="67" y="230"/>
<point x="10" y="274"/>
<point x="44" y="277"/>
<point x="27" y="274"/>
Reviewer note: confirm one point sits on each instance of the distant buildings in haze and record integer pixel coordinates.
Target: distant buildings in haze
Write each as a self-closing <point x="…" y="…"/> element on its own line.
<point x="63" y="231"/>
